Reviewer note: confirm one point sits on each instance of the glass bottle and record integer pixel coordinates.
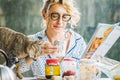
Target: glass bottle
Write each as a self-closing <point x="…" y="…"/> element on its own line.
<point x="69" y="68"/>
<point x="52" y="68"/>
<point x="87" y="70"/>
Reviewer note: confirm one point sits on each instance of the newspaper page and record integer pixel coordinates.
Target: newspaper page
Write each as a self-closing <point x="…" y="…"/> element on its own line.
<point x="104" y="37"/>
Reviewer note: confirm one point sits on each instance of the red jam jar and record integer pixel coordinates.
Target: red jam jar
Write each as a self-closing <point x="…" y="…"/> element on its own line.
<point x="68" y="67"/>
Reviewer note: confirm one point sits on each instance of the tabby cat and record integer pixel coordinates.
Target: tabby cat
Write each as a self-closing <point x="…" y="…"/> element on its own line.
<point x="16" y="44"/>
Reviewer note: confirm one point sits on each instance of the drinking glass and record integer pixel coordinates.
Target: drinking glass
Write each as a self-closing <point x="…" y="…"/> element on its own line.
<point x="61" y="48"/>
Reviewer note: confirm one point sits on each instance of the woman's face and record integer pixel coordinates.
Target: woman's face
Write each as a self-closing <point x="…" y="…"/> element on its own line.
<point x="57" y="18"/>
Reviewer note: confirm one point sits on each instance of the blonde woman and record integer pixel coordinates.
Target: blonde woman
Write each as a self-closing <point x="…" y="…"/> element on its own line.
<point x="57" y="14"/>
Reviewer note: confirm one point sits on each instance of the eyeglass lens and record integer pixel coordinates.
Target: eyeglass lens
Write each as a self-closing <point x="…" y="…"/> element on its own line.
<point x="56" y="16"/>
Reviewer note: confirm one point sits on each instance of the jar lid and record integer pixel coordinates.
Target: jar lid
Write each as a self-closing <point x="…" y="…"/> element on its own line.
<point x="87" y="60"/>
<point x="52" y="60"/>
<point x="69" y="59"/>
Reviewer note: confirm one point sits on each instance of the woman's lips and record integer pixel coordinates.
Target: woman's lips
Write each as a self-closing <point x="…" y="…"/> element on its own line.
<point x="58" y="27"/>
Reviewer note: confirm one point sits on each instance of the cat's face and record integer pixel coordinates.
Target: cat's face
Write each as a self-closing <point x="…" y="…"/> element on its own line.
<point x="34" y="49"/>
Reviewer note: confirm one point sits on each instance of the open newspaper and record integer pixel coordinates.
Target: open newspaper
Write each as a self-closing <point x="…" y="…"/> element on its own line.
<point x="104" y="37"/>
<point x="102" y="40"/>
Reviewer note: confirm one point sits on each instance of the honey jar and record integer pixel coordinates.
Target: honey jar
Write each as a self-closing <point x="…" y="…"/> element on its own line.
<point x="52" y="67"/>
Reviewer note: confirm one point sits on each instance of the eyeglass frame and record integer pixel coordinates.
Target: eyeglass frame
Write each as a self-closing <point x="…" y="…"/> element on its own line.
<point x="59" y="16"/>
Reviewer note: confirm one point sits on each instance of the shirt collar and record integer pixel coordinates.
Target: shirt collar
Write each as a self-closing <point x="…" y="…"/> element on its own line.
<point x="73" y="41"/>
<point x="43" y="35"/>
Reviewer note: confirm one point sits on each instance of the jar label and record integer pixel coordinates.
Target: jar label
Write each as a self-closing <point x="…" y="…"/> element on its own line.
<point x="52" y="70"/>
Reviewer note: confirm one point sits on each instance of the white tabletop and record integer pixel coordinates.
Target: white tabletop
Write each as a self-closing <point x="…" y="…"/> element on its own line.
<point x="32" y="78"/>
<point x="105" y="79"/>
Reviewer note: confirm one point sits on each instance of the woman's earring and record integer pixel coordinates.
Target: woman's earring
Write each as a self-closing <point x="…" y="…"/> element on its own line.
<point x="67" y="33"/>
<point x="71" y="26"/>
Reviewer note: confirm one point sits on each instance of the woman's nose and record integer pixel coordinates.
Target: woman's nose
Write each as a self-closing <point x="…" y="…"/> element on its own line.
<point x="60" y="21"/>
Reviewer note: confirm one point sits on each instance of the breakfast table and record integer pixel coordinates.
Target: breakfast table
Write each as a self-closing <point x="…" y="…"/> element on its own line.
<point x="33" y="78"/>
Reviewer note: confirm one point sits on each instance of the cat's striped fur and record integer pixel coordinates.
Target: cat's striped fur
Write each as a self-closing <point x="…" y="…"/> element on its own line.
<point x="16" y="44"/>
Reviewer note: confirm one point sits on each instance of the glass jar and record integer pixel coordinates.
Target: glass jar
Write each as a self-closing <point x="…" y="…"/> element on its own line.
<point x="68" y="68"/>
<point x="115" y="72"/>
<point x="61" y="48"/>
<point x="87" y="69"/>
<point x="52" y="68"/>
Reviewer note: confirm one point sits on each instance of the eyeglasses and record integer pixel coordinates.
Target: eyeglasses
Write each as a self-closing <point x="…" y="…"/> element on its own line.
<point x="56" y="16"/>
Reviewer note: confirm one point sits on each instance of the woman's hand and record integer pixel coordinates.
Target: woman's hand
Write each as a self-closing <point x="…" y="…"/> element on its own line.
<point x="48" y="48"/>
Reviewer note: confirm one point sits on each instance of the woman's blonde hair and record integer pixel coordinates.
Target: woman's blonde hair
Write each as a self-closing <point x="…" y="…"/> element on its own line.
<point x="6" y="73"/>
<point x="70" y="8"/>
